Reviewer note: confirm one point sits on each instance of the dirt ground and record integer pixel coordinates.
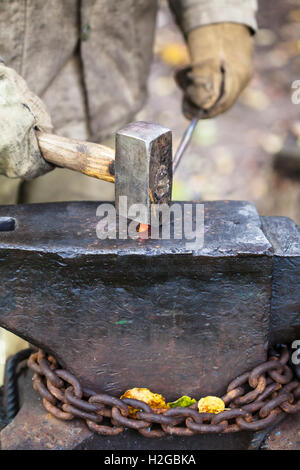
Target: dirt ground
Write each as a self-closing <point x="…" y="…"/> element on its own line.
<point x="231" y="157"/>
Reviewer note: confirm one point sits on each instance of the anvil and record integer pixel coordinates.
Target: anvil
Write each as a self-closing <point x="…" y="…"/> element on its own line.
<point x="150" y="313"/>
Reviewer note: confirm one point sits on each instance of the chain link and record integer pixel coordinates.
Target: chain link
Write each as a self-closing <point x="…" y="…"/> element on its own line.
<point x="255" y="400"/>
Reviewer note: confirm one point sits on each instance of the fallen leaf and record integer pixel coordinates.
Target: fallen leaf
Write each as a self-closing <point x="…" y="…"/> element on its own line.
<point x="154" y="400"/>
<point x="174" y="54"/>
<point x="182" y="402"/>
<point x="211" y="405"/>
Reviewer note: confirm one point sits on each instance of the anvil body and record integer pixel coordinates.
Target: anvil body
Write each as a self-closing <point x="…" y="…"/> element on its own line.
<point x="151" y="313"/>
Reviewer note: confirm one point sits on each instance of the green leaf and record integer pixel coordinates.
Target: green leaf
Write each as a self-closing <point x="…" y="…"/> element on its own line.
<point x="86" y="31"/>
<point x="182" y="402"/>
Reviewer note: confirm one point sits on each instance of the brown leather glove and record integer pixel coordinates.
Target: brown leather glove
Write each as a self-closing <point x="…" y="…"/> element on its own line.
<point x="221" y="67"/>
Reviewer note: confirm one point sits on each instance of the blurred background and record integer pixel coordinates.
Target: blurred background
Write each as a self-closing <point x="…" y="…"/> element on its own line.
<point x="234" y="156"/>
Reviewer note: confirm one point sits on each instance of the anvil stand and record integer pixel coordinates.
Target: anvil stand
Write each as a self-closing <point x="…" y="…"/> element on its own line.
<point x="149" y="313"/>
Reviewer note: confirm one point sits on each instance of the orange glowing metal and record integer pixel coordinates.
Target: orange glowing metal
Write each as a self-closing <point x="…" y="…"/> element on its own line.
<point x="143" y="228"/>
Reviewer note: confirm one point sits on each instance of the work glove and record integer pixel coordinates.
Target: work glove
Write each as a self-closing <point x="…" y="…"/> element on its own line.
<point x="221" y="67"/>
<point x="21" y="114"/>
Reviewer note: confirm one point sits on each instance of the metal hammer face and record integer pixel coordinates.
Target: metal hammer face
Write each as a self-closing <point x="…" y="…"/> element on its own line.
<point x="143" y="167"/>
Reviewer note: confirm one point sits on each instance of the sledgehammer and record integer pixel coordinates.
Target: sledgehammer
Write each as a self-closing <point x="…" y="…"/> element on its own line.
<point x="141" y="167"/>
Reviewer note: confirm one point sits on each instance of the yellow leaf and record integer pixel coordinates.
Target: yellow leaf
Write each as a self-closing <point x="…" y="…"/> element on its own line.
<point x="154" y="400"/>
<point x="174" y="54"/>
<point x="211" y="405"/>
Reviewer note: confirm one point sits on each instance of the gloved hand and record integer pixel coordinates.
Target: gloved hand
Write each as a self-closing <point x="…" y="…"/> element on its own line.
<point x="221" y="67"/>
<point x="21" y="113"/>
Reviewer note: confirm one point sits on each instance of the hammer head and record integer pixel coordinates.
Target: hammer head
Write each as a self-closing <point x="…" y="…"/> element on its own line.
<point x="143" y="167"/>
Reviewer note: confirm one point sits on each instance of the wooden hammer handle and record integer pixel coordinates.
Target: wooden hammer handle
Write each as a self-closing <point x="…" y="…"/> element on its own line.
<point x="86" y="157"/>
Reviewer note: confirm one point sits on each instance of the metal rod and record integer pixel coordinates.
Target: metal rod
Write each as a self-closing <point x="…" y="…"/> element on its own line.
<point x="186" y="139"/>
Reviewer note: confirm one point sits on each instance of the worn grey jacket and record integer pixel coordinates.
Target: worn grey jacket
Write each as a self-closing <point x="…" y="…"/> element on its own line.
<point x="113" y="39"/>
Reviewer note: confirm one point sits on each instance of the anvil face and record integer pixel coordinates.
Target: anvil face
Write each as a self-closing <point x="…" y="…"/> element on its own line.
<point x="147" y="313"/>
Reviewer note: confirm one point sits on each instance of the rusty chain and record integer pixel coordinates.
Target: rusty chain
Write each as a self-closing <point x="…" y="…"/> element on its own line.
<point x="255" y="400"/>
